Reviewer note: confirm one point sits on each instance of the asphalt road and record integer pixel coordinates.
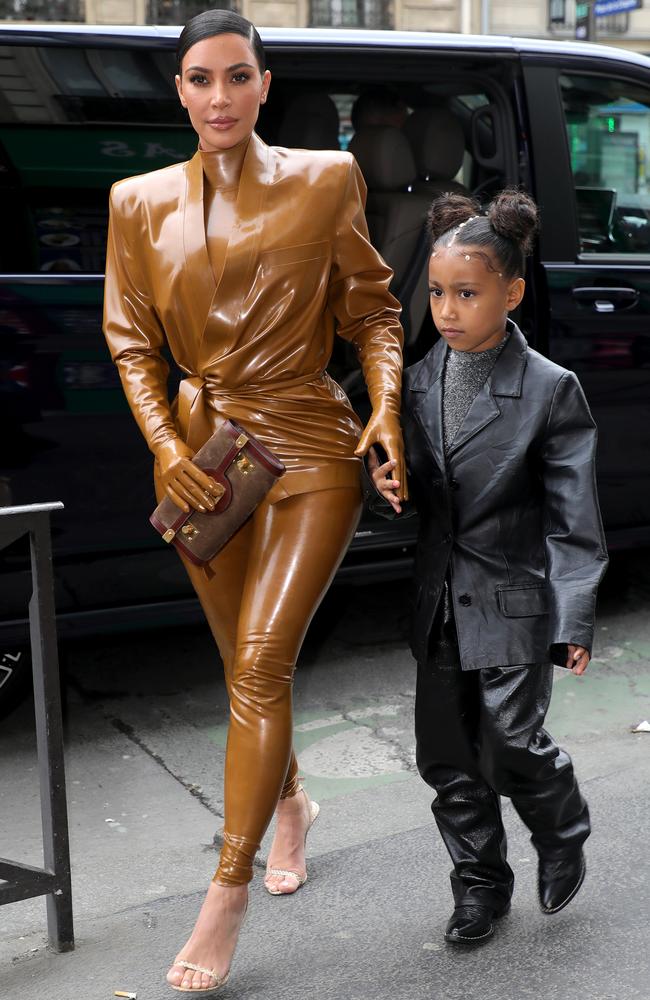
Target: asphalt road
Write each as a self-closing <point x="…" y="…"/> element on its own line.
<point x="145" y="734"/>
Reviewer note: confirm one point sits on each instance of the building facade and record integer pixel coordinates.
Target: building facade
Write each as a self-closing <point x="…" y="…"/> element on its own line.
<point x="536" y="18"/>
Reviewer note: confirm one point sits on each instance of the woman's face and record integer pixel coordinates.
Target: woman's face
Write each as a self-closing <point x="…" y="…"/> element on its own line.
<point x="222" y="88"/>
<point x="469" y="301"/>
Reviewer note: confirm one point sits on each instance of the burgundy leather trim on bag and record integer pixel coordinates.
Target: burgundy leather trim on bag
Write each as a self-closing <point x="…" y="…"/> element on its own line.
<point x="245" y="469"/>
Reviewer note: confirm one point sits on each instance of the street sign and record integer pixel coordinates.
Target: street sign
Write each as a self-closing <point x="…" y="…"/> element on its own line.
<point x="606" y="7"/>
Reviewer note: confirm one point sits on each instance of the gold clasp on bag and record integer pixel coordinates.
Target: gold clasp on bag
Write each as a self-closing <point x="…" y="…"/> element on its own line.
<point x="244" y="465"/>
<point x="189" y="530"/>
<point x="169" y="535"/>
<point x="241" y="441"/>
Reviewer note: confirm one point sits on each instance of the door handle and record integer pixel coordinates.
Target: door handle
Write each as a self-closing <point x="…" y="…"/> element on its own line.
<point x="604" y="299"/>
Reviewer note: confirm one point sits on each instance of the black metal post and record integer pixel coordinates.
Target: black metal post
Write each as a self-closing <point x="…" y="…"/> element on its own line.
<point x="22" y="881"/>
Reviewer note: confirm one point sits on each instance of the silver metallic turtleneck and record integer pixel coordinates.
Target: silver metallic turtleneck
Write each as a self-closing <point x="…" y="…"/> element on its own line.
<point x="465" y="375"/>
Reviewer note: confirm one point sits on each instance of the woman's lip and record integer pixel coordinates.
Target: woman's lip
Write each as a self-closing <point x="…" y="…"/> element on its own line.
<point x="222" y="122"/>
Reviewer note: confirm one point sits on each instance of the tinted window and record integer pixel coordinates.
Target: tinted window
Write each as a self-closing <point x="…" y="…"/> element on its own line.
<point x="73" y="121"/>
<point x="608" y="128"/>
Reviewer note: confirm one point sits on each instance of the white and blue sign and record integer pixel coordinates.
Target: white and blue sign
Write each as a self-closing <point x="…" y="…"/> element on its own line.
<point x="606" y="7"/>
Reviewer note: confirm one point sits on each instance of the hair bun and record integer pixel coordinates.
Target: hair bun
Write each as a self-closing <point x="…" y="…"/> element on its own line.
<point x="448" y="211"/>
<point x="513" y="215"/>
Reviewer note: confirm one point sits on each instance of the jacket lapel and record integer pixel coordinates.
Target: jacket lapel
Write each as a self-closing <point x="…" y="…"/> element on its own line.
<point x="206" y="299"/>
<point x="427" y="385"/>
<point x="427" y="407"/>
<point x="246" y="235"/>
<point x="505" y="379"/>
<point x="200" y="284"/>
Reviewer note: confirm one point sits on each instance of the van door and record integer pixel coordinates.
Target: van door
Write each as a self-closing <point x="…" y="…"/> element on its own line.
<point x="590" y="131"/>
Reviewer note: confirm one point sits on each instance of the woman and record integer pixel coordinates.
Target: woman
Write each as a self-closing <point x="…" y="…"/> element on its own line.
<point x="243" y="261"/>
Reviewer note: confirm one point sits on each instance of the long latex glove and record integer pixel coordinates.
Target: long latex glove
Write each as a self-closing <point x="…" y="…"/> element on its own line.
<point x="368" y="316"/>
<point x="381" y="362"/>
<point x="136" y="341"/>
<point x="183" y="481"/>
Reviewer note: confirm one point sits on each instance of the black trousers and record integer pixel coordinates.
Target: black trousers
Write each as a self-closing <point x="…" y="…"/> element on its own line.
<point x="479" y="735"/>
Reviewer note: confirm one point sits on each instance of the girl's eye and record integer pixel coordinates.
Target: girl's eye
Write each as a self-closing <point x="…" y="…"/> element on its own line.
<point x="435" y="292"/>
<point x="198" y="79"/>
<point x="466" y="293"/>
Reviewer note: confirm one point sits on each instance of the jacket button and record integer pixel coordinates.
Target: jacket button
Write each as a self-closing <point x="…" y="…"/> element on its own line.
<point x="465" y="600"/>
<point x="447" y="538"/>
<point x="454" y="484"/>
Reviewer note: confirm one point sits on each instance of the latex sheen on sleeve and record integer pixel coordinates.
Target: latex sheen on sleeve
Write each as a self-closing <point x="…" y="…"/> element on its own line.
<point x="133" y="331"/>
<point x="366" y="312"/>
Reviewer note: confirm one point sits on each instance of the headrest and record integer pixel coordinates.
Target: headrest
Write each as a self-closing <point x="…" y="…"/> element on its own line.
<point x="384" y="155"/>
<point x="311" y="121"/>
<point x="438" y="143"/>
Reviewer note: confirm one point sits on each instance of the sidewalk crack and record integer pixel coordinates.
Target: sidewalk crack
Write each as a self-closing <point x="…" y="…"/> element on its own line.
<point x="129" y="732"/>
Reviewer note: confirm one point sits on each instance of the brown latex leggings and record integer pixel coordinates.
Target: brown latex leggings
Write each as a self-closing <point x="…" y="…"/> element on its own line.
<point x="268" y="582"/>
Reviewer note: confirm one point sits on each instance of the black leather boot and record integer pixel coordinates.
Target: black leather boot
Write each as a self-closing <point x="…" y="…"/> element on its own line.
<point x="472" y="923"/>
<point x="559" y="881"/>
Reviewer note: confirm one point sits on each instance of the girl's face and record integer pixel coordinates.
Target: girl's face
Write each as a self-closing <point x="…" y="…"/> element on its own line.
<point x="222" y="88"/>
<point x="469" y="302"/>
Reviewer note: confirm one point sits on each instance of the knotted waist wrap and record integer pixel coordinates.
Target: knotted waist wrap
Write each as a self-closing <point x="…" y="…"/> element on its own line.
<point x="194" y="412"/>
<point x="191" y="393"/>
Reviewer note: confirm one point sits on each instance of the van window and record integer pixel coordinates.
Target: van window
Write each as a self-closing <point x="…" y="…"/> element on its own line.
<point x="608" y="129"/>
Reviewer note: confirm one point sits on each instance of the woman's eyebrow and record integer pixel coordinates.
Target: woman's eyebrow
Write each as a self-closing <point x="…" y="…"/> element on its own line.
<point x="230" y="69"/>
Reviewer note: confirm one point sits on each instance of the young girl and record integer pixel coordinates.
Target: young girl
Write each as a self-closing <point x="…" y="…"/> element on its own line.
<point x="500" y="448"/>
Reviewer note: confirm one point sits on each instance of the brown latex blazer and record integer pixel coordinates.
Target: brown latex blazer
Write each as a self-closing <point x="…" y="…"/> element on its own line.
<point x="253" y="341"/>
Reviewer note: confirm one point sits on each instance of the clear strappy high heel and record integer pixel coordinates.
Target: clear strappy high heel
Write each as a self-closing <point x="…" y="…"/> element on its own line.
<point x="285" y="873"/>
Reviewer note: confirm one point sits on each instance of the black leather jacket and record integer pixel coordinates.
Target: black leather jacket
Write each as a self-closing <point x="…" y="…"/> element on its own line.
<point x="512" y="514"/>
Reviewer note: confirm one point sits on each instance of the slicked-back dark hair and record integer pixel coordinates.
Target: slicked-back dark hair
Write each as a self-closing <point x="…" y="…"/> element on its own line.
<point x="506" y="234"/>
<point x="219" y="22"/>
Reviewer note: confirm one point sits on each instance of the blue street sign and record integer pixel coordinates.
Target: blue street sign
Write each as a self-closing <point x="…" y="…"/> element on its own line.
<point x="605" y="7"/>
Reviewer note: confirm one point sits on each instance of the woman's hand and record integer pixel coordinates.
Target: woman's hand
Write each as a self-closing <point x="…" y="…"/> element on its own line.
<point x="183" y="481"/>
<point x="578" y="659"/>
<point x="382" y="477"/>
<point x="384" y="429"/>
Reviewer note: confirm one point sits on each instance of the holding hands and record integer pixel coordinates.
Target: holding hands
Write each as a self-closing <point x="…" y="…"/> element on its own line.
<point x="384" y="429"/>
<point x="382" y="477"/>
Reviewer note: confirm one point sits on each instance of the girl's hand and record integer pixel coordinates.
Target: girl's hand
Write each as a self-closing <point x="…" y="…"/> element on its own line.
<point x="183" y="481"/>
<point x="382" y="477"/>
<point x="578" y="659"/>
<point x="384" y="428"/>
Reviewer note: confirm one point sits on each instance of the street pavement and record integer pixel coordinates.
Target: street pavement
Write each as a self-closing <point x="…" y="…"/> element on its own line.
<point x="146" y="720"/>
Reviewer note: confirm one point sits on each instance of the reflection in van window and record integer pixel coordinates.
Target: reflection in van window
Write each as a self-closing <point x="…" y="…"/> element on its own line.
<point x="608" y="128"/>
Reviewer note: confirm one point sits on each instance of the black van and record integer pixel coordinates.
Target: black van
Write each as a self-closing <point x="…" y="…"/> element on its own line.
<point x="83" y="106"/>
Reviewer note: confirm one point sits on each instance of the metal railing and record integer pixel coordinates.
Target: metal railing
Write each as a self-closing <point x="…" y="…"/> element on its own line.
<point x="22" y="881"/>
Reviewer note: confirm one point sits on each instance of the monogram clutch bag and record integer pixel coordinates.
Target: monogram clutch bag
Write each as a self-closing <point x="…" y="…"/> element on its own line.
<point x="244" y="470"/>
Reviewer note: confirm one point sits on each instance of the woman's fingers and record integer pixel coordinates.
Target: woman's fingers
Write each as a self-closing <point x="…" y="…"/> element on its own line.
<point x="190" y="473"/>
<point x="202" y="497"/>
<point x="175" y="498"/>
<point x="197" y="500"/>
